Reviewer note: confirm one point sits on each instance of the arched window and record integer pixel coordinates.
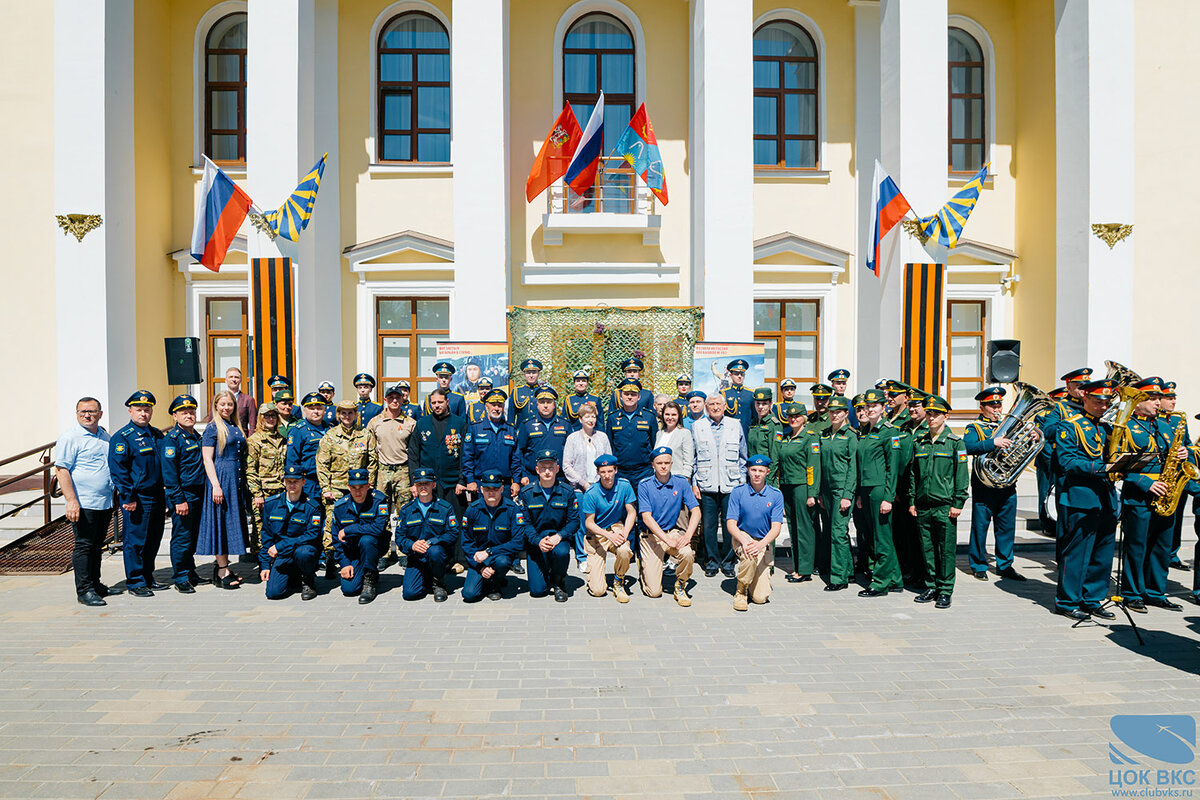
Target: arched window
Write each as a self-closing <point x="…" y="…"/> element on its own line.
<point x="225" y="90"/>
<point x="413" y="101"/>
<point x="785" y="97"/>
<point x="967" y="103"/>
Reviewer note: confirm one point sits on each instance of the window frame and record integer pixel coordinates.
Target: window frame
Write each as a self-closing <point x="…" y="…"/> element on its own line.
<point x="981" y="95"/>
<point x="780" y="138"/>
<point x="951" y="333"/>
<point x="413" y="334"/>
<point x="211" y="86"/>
<point x="384" y="89"/>
<point x="779" y="338"/>
<point x="215" y="382"/>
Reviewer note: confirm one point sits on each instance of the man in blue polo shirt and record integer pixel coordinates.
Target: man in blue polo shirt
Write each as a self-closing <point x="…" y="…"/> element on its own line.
<point x="609" y="508"/>
<point x="661" y="500"/>
<point x="754" y="518"/>
<point x="81" y="463"/>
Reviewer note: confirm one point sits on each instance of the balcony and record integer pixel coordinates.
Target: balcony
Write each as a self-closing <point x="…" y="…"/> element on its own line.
<point x="620" y="203"/>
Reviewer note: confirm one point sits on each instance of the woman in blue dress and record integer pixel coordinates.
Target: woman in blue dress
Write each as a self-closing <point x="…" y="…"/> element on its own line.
<point x="222" y="521"/>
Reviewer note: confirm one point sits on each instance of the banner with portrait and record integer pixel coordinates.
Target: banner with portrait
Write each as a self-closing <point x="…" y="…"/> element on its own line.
<point x="710" y="362"/>
<point x="472" y="361"/>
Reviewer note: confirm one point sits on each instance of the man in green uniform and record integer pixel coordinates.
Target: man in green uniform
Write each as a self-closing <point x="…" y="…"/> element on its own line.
<point x="839" y="473"/>
<point x="905" y="536"/>
<point x="878" y="466"/>
<point x="762" y="439"/>
<point x="799" y="474"/>
<point x="939" y="489"/>
<point x="342" y="448"/>
<point x="897" y="397"/>
<point x="818" y="420"/>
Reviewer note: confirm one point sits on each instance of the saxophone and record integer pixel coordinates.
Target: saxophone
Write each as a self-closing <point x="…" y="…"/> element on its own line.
<point x="1176" y="473"/>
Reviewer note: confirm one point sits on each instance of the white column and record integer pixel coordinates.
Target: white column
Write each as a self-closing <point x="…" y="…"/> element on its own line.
<point x="95" y="293"/>
<point x="865" y="367"/>
<point x="722" y="157"/>
<point x="479" y="151"/>
<point x="292" y="70"/>
<point x="1093" y="66"/>
<point x="912" y="57"/>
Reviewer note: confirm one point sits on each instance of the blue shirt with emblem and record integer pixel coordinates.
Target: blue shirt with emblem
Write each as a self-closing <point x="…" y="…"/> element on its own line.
<point x="489" y="447"/>
<point x="632" y="438"/>
<point x="133" y="463"/>
<point x="608" y="505"/>
<point x="370" y="518"/>
<point x="286" y="526"/>
<point x="303" y="440"/>
<point x="501" y="531"/>
<point x="550" y="512"/>
<point x="182" y="466"/>
<point x="85" y="455"/>
<point x="754" y="511"/>
<point x="664" y="501"/>
<point x="538" y="434"/>
<point x="435" y="524"/>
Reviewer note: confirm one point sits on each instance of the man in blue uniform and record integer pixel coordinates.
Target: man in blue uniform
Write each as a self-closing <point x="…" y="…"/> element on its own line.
<point x="293" y="522"/>
<point x="631" y="432"/>
<point x="1173" y="419"/>
<point x="754" y="519"/>
<point x="683" y="385"/>
<point x="491" y="446"/>
<point x="477" y="411"/>
<point x="427" y="532"/>
<point x="368" y="409"/>
<point x="457" y="404"/>
<point x="582" y="396"/>
<point x="360" y="534"/>
<point x="662" y="497"/>
<point x="133" y="462"/>
<point x="991" y="506"/>
<point x="739" y="401"/>
<point x="1066" y="406"/>
<point x="839" y="379"/>
<point x="523" y="404"/>
<point x="609" y="518"/>
<point x="493" y="531"/>
<point x="183" y="484"/>
<point x="632" y="369"/>
<point x="303" y="440"/>
<point x="552" y="514"/>
<point x="544" y="431"/>
<point x="1087" y="500"/>
<point x="329" y="413"/>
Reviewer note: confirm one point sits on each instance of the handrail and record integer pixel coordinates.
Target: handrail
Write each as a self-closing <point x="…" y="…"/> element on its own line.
<point x="617" y="190"/>
<point x="49" y="480"/>
<point x="27" y="453"/>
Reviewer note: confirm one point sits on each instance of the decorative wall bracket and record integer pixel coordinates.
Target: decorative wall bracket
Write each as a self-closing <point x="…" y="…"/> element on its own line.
<point x="1111" y="232"/>
<point x="262" y="226"/>
<point x="78" y="225"/>
<point x="913" y="229"/>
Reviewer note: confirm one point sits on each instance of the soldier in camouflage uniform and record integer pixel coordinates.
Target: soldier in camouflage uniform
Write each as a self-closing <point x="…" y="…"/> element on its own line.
<point x="343" y="448"/>
<point x="266" y="450"/>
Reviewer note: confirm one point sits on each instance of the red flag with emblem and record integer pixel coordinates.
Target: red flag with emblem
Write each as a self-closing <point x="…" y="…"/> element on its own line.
<point x="554" y="157"/>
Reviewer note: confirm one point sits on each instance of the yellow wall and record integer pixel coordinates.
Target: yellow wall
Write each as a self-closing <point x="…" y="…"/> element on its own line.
<point x="27" y="223"/>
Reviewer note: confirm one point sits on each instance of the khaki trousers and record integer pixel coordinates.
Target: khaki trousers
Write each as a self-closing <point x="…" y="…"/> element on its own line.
<point x="653" y="553"/>
<point x="392" y="480"/>
<point x="597" y="549"/>
<point x="755" y="573"/>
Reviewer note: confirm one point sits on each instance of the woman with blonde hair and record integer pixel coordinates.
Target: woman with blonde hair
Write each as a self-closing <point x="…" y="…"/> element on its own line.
<point x="222" y="521"/>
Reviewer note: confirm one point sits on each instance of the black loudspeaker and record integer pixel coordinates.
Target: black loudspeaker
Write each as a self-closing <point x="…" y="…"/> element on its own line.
<point x="183" y="360"/>
<point x="1004" y="361"/>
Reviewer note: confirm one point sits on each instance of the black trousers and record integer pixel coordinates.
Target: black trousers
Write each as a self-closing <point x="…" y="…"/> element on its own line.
<point x="90" y="531"/>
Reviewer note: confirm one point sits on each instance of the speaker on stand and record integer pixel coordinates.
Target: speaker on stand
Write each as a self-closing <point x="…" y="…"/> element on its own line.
<point x="183" y="360"/>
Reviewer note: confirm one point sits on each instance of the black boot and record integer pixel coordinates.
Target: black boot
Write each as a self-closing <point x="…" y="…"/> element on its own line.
<point x="368" y="588"/>
<point x="307" y="590"/>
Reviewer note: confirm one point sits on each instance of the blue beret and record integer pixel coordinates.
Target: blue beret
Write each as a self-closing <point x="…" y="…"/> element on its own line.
<point x="547" y="455"/>
<point x="326" y="385"/>
<point x="632" y="363"/>
<point x="531" y="363"/>
<point x="839" y="375"/>
<point x="443" y="368"/>
<point x="278" y="380"/>
<point x="738" y="365"/>
<point x="140" y="398"/>
<point x="491" y="479"/>
<point x="660" y="451"/>
<point x="424" y="474"/>
<point x="313" y="399"/>
<point x="604" y="460"/>
<point x="546" y="391"/>
<point x="293" y="471"/>
<point x="181" y="402"/>
<point x="696" y="393"/>
<point x="363" y="378"/>
<point x="358" y="477"/>
<point x="630" y="383"/>
<point x="758" y="461"/>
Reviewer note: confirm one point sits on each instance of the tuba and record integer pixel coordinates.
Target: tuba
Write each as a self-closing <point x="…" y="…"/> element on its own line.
<point x="1000" y="469"/>
<point x="1125" y="377"/>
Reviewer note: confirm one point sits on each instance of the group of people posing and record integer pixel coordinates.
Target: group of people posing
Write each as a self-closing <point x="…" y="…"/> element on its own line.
<point x="481" y="489"/>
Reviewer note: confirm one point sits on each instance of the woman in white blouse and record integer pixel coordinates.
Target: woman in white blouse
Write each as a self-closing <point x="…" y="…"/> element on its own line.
<point x="673" y="435"/>
<point x="579" y="454"/>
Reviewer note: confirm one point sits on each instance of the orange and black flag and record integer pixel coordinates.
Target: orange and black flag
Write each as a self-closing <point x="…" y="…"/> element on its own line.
<point x="921" y="355"/>
<point x="274" y="316"/>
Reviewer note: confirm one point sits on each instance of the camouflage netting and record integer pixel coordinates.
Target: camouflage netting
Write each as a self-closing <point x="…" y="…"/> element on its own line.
<point x="599" y="339"/>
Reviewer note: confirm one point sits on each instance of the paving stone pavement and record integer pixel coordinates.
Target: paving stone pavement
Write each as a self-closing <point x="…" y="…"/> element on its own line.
<point x="824" y="695"/>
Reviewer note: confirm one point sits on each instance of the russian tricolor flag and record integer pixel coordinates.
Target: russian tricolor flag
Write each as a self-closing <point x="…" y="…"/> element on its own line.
<point x="223" y="208"/>
<point x="581" y="172"/>
<point x="888" y="207"/>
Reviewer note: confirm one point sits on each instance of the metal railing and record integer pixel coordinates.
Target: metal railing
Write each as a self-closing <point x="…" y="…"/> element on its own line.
<point x="617" y="191"/>
<point x="50" y="488"/>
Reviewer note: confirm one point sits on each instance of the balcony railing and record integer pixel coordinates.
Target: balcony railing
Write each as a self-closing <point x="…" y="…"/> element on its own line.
<point x="617" y="191"/>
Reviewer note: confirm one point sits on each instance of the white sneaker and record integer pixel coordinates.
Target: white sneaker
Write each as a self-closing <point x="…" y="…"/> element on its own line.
<point x="583" y="566"/>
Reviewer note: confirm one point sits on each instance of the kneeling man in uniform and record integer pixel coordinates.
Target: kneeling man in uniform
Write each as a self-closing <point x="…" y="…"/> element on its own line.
<point x="359" y="535"/>
<point x="293" y="524"/>
<point x="754" y="518"/>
